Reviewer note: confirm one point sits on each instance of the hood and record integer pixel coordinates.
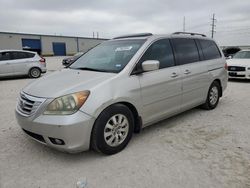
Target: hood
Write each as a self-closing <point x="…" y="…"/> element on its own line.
<point x="238" y="62"/>
<point x="65" y="82"/>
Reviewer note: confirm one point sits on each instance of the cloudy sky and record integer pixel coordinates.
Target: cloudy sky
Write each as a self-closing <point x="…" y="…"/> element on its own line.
<point x="116" y="17"/>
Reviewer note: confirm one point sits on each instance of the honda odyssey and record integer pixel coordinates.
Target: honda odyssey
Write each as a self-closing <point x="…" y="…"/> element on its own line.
<point x="119" y="87"/>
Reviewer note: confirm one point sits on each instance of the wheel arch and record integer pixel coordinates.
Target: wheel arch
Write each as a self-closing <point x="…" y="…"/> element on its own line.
<point x="137" y="118"/>
<point x="219" y="82"/>
<point x="32" y="67"/>
<point x="132" y="108"/>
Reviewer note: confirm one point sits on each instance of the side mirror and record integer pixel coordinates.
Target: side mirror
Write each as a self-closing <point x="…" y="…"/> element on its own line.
<point x="150" y="65"/>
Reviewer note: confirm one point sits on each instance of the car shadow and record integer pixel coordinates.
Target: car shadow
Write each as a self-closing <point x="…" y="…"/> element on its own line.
<point x="239" y="80"/>
<point x="13" y="78"/>
<point x="7" y="78"/>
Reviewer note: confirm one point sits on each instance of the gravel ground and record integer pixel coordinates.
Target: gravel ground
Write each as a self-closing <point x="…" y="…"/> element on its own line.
<point x="197" y="148"/>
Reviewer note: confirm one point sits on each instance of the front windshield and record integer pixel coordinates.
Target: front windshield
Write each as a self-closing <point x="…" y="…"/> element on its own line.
<point x="242" y="55"/>
<point x="110" y="56"/>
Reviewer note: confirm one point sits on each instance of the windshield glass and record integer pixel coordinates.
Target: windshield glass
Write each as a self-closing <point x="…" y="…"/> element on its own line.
<point x="110" y="56"/>
<point x="242" y="55"/>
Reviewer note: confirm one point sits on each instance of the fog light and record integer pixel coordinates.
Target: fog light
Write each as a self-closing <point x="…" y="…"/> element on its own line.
<point x="57" y="141"/>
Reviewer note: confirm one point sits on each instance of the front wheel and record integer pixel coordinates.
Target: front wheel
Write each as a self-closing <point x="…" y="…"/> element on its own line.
<point x="213" y="96"/>
<point x="113" y="129"/>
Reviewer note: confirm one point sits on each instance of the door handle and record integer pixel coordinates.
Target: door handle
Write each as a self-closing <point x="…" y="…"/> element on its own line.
<point x="174" y="75"/>
<point x="187" y="71"/>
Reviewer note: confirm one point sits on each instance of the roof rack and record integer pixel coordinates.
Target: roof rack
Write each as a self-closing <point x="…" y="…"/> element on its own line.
<point x="187" y="33"/>
<point x="134" y="35"/>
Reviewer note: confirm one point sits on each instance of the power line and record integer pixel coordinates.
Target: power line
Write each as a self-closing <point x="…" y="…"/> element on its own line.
<point x="234" y="30"/>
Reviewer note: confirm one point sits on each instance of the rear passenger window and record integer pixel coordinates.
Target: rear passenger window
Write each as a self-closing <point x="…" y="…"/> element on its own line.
<point x="4" y="56"/>
<point x="160" y="50"/>
<point x="18" y="55"/>
<point x="185" y="51"/>
<point x="209" y="49"/>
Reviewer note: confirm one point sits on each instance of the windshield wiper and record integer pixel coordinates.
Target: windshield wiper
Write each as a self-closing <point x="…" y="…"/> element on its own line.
<point x="90" y="69"/>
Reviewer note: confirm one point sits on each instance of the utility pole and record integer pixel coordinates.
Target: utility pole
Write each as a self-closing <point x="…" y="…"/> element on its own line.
<point x="184" y="24"/>
<point x="213" y="26"/>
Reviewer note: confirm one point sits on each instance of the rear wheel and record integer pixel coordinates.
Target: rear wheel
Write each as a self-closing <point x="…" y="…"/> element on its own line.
<point x="113" y="129"/>
<point x="34" y="72"/>
<point x="213" y="96"/>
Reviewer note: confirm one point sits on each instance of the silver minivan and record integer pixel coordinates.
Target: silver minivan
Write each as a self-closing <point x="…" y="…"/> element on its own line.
<point x="21" y="62"/>
<point x="119" y="87"/>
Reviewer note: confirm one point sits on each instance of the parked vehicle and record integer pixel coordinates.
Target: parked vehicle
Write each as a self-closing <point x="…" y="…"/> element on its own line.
<point x="230" y="51"/>
<point x="21" y="62"/>
<point x="239" y="65"/>
<point x="121" y="86"/>
<point x="69" y="60"/>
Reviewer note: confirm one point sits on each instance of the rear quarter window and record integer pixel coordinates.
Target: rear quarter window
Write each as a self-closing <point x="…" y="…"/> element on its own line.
<point x="29" y="55"/>
<point x="209" y="49"/>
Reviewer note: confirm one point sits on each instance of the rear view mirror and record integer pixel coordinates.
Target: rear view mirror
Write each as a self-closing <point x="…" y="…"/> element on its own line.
<point x="150" y="65"/>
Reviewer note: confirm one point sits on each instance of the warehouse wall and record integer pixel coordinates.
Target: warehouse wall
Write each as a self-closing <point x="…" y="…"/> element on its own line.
<point x="13" y="41"/>
<point x="85" y="44"/>
<point x="73" y="44"/>
<point x="47" y="47"/>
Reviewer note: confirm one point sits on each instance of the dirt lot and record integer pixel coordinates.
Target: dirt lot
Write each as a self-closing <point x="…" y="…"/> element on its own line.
<point x="195" y="149"/>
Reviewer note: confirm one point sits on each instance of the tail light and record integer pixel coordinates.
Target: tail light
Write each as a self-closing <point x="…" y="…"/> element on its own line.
<point x="225" y="66"/>
<point x="43" y="61"/>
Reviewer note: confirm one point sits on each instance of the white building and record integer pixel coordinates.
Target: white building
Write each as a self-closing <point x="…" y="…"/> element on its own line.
<point x="47" y="45"/>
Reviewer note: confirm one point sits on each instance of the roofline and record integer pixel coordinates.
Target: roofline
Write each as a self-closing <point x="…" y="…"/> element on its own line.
<point x="14" y="50"/>
<point x="45" y="35"/>
<point x="134" y="35"/>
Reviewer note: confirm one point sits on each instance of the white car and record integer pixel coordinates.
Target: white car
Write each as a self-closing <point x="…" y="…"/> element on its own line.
<point x="21" y="62"/>
<point x="239" y="65"/>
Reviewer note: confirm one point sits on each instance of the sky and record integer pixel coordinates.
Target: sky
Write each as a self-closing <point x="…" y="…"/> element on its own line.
<point x="112" y="18"/>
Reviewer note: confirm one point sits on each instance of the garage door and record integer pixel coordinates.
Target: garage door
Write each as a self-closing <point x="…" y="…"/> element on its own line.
<point x="32" y="45"/>
<point x="59" y="48"/>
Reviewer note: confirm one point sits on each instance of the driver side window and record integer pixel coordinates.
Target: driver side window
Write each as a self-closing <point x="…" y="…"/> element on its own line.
<point x="160" y="50"/>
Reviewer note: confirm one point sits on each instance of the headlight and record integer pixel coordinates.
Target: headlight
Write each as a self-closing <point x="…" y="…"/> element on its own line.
<point x="68" y="104"/>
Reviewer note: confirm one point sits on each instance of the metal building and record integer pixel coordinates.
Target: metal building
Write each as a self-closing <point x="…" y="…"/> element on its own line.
<point x="47" y="45"/>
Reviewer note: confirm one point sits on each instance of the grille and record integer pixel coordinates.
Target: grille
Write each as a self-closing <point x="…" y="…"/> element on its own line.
<point x="236" y="68"/>
<point x="232" y="74"/>
<point x="27" y="105"/>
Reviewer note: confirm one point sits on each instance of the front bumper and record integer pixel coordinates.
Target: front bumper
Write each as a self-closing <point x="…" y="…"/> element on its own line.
<point x="239" y="74"/>
<point x="74" y="130"/>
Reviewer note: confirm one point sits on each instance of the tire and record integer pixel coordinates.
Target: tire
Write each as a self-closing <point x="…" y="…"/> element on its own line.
<point x="34" y="72"/>
<point x="213" y="96"/>
<point x="108" y="135"/>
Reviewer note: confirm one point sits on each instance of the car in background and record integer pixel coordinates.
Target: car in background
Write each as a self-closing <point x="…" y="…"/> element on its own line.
<point x="239" y="65"/>
<point x="68" y="61"/>
<point x="230" y="51"/>
<point x="21" y="62"/>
